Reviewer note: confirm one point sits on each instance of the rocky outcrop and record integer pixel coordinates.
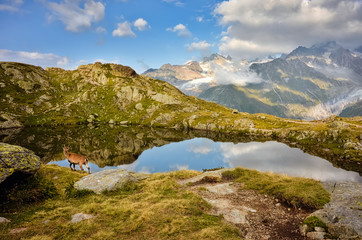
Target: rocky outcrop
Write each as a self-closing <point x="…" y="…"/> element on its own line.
<point x="109" y="180"/>
<point x="342" y="214"/>
<point x="80" y="217"/>
<point x="16" y="159"/>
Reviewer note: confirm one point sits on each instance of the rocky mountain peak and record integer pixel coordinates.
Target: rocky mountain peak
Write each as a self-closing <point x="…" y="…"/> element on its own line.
<point x="115" y="69"/>
<point x="327" y="46"/>
<point x="216" y="57"/>
<point x="195" y="66"/>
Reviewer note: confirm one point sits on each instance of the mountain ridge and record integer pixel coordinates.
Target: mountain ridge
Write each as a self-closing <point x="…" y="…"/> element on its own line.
<point x="323" y="77"/>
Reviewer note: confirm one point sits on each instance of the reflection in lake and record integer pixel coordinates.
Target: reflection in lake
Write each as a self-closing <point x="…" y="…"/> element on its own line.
<point x="150" y="150"/>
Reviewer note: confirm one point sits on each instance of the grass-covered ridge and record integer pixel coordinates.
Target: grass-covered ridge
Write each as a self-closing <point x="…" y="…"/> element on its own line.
<point x="155" y="208"/>
<point x="298" y="192"/>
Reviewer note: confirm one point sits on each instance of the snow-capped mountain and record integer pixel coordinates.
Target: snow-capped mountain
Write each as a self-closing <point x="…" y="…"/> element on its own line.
<point x="308" y="83"/>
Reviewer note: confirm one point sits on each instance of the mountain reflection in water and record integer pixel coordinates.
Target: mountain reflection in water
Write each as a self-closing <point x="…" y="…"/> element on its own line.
<point x="149" y="150"/>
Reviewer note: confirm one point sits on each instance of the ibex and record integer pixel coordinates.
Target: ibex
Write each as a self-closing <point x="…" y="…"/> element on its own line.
<point x="74" y="158"/>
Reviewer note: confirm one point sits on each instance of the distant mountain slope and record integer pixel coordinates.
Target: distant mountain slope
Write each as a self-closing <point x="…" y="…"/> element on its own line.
<point x="308" y="83"/>
<point x="354" y="109"/>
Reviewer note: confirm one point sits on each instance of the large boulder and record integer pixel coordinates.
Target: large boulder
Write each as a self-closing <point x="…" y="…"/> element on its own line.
<point x="342" y="214"/>
<point x="106" y="180"/>
<point x="16" y="159"/>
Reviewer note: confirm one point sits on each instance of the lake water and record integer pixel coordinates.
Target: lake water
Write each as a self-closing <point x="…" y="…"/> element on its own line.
<point x="159" y="150"/>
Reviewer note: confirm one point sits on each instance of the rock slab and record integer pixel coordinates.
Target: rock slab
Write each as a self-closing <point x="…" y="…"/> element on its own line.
<point x="16" y="159"/>
<point x="80" y="217"/>
<point x="342" y="214"/>
<point x="105" y="180"/>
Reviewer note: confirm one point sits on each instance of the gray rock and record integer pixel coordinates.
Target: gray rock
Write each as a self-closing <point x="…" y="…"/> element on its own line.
<point x="303" y="230"/>
<point x="17" y="159"/>
<point x="319" y="229"/>
<point x="316" y="235"/>
<point x="10" y="121"/>
<point x="111" y="179"/>
<point x="342" y="213"/>
<point x="80" y="217"/>
<point x="4" y="220"/>
<point x="123" y="123"/>
<point x="18" y="230"/>
<point x="139" y="106"/>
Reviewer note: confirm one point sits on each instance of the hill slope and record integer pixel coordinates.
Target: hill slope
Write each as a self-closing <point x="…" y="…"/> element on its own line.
<point x="110" y="93"/>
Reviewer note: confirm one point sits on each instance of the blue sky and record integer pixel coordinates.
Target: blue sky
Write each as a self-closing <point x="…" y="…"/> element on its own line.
<point x="148" y="33"/>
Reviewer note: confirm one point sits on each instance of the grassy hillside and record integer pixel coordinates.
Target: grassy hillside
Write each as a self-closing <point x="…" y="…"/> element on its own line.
<point x="155" y="208"/>
<point x="110" y="93"/>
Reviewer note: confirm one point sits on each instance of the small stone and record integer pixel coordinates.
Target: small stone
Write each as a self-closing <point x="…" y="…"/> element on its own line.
<point x="90" y="120"/>
<point x="319" y="229"/>
<point x="139" y="106"/>
<point x="17" y="230"/>
<point x="235" y="111"/>
<point x="111" y="121"/>
<point x="46" y="222"/>
<point x="123" y="123"/>
<point x="277" y="205"/>
<point x="303" y="230"/>
<point x="316" y="235"/>
<point x="80" y="217"/>
<point x="289" y="209"/>
<point x="4" y="220"/>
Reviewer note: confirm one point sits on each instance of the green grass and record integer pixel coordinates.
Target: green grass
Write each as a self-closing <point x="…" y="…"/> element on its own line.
<point x="298" y="192"/>
<point x="313" y="222"/>
<point x="155" y="208"/>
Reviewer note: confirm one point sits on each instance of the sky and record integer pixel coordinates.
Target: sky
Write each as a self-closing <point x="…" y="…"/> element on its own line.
<point x="146" y="34"/>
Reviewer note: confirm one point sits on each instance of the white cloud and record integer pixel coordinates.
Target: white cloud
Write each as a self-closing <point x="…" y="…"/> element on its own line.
<point x="75" y="17"/>
<point x="202" y="146"/>
<point x="181" y="30"/>
<point x="178" y="167"/>
<point x="101" y="30"/>
<point x="141" y="24"/>
<point x="34" y="58"/>
<point x="255" y="29"/>
<point x="11" y="5"/>
<point x="176" y="2"/>
<point x="123" y="30"/>
<point x="200" y="19"/>
<point x="241" y="76"/>
<point x="199" y="46"/>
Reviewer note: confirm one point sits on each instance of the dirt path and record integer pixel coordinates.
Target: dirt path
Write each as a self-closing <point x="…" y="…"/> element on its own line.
<point x="257" y="216"/>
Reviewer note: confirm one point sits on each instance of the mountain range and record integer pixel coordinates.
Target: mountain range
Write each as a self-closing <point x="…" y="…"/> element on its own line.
<point x="308" y="83"/>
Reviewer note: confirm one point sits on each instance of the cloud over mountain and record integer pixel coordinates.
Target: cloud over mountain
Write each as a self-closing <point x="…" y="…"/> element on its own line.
<point x="256" y="28"/>
<point x="35" y="58"/>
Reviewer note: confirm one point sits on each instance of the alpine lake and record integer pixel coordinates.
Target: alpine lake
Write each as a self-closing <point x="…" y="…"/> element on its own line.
<point x="150" y="150"/>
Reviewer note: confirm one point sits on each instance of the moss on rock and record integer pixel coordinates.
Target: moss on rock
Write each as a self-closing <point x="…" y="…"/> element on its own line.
<point x="16" y="159"/>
